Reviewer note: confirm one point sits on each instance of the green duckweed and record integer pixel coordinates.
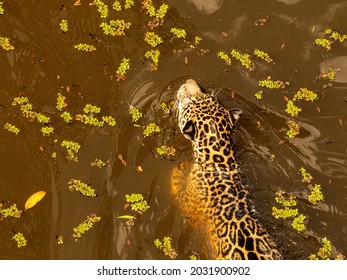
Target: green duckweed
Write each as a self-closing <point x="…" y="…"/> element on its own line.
<point x="11" y="211"/>
<point x="305" y="94"/>
<point x="153" y="55"/>
<point x="298" y="223"/>
<point x="153" y="39"/>
<point x="166" y="150"/>
<point x="316" y="194"/>
<point x="2" y="8"/>
<point x="20" y="239"/>
<point x="81" y="187"/>
<point x="259" y="95"/>
<point x="11" y="128"/>
<point x="137" y="202"/>
<point x="244" y="58"/>
<point x="85" y="47"/>
<point x="151" y="129"/>
<point x="263" y="55"/>
<point x="5" y="44"/>
<point x="225" y="57"/>
<point x="306" y="177"/>
<point x="67" y="117"/>
<point x="178" y="32"/>
<point x="293" y="129"/>
<point x="72" y="149"/>
<point x="102" y="8"/>
<point x="166" y="246"/>
<point x="134" y="113"/>
<point x="122" y="69"/>
<point x="270" y="84"/>
<point x="64" y="27"/>
<point x="85" y="226"/>
<point x="292" y="109"/>
<point x="47" y="130"/>
<point x="97" y="163"/>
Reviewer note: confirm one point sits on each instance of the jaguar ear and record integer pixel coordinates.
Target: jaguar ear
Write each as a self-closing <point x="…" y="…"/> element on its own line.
<point x="235" y="114"/>
<point x="189" y="130"/>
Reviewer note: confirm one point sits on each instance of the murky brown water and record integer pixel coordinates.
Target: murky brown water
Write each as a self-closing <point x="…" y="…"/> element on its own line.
<point x="44" y="63"/>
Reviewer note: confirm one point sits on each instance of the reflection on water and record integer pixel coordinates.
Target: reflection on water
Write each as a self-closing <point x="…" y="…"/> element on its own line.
<point x="44" y="63"/>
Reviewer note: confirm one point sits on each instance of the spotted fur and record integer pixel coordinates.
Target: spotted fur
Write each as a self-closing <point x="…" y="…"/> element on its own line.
<point x="212" y="194"/>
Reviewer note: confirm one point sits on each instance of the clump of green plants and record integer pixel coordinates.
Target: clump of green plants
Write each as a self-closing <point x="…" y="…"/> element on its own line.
<point x="20" y="239"/>
<point x="244" y="58"/>
<point x="153" y="55"/>
<point x="325" y="252"/>
<point x="60" y="240"/>
<point x="157" y="15"/>
<point x="61" y="102"/>
<point x="5" y="44"/>
<point x="270" y="84"/>
<point x="330" y="75"/>
<point x="42" y="118"/>
<point x="117" y="6"/>
<point x="85" y="47"/>
<point x="332" y="37"/>
<point x="137" y="202"/>
<point x="11" y="128"/>
<point x="166" y="151"/>
<point x="225" y="57"/>
<point x="89" y="117"/>
<point x="134" y="113"/>
<point x="151" y="129"/>
<point x="64" y="27"/>
<point x="102" y="8"/>
<point x="81" y="187"/>
<point x="85" y="226"/>
<point x="115" y="27"/>
<point x="306" y="177"/>
<point x="178" y="32"/>
<point x="72" y="149"/>
<point x="292" y="109"/>
<point x="263" y="55"/>
<point x="305" y="94"/>
<point x="289" y="211"/>
<point x="153" y="39"/>
<point x="259" y="95"/>
<point x="11" y="211"/>
<point x="97" y="163"/>
<point x="47" y="130"/>
<point x="316" y="194"/>
<point x="166" y="246"/>
<point x="25" y="106"/>
<point x="2" y="8"/>
<point x="122" y="69"/>
<point x="66" y="116"/>
<point x="293" y="129"/>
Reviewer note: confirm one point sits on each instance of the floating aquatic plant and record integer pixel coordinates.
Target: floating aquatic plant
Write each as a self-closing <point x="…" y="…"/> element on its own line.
<point x="330" y="75"/>
<point x="115" y="27"/>
<point x="225" y="57"/>
<point x="325" y="43"/>
<point x="134" y="113"/>
<point x="305" y="94"/>
<point x="61" y="102"/>
<point x="244" y="58"/>
<point x="11" y="211"/>
<point x="102" y="8"/>
<point x="90" y="109"/>
<point x="20" y="239"/>
<point x="117" y="6"/>
<point x="259" y="95"/>
<point x="292" y="109"/>
<point x="333" y="36"/>
<point x="2" y="8"/>
<point x="262" y="55"/>
<point x="270" y="84"/>
<point x="85" y="47"/>
<point x="122" y="69"/>
<point x="81" y="187"/>
<point x="42" y="118"/>
<point x="64" y="27"/>
<point x="85" y="226"/>
<point x="324" y="253"/>
<point x="11" y="128"/>
<point x="25" y="106"/>
<point x="109" y="120"/>
<point x="166" y="150"/>
<point x="153" y="39"/>
<point x="178" y="32"/>
<point x="137" y="202"/>
<point x="67" y="117"/>
<point x="293" y="129"/>
<point x="298" y="223"/>
<point x="47" y="130"/>
<point x="153" y="55"/>
<point x="72" y="149"/>
<point x="151" y="129"/>
<point x="5" y="44"/>
<point x="97" y="163"/>
<point x="166" y="246"/>
<point x="193" y="257"/>
<point x="316" y="194"/>
<point x="60" y="240"/>
<point x="306" y="177"/>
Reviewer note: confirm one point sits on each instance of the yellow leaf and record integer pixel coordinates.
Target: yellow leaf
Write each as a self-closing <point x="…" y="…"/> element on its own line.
<point x="34" y="199"/>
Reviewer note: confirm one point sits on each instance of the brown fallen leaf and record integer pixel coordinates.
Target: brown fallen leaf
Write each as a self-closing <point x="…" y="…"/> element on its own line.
<point x="77" y="3"/>
<point x="139" y="168"/>
<point x="340" y="121"/>
<point x="186" y="60"/>
<point x="34" y="199"/>
<point x="224" y="34"/>
<point x="286" y="98"/>
<point x="120" y="157"/>
<point x="68" y="88"/>
<point x="318" y="109"/>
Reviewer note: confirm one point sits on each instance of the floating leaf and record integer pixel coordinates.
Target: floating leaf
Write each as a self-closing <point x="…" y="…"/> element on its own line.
<point x="126" y="217"/>
<point x="34" y="199"/>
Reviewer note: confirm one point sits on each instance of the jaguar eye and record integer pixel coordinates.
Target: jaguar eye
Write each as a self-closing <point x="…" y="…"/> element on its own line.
<point x="189" y="130"/>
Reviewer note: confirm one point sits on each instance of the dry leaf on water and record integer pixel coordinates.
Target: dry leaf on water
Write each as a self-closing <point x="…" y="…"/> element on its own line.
<point x="34" y="199"/>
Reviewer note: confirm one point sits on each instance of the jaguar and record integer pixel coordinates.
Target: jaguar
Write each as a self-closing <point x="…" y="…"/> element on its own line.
<point x="211" y="191"/>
